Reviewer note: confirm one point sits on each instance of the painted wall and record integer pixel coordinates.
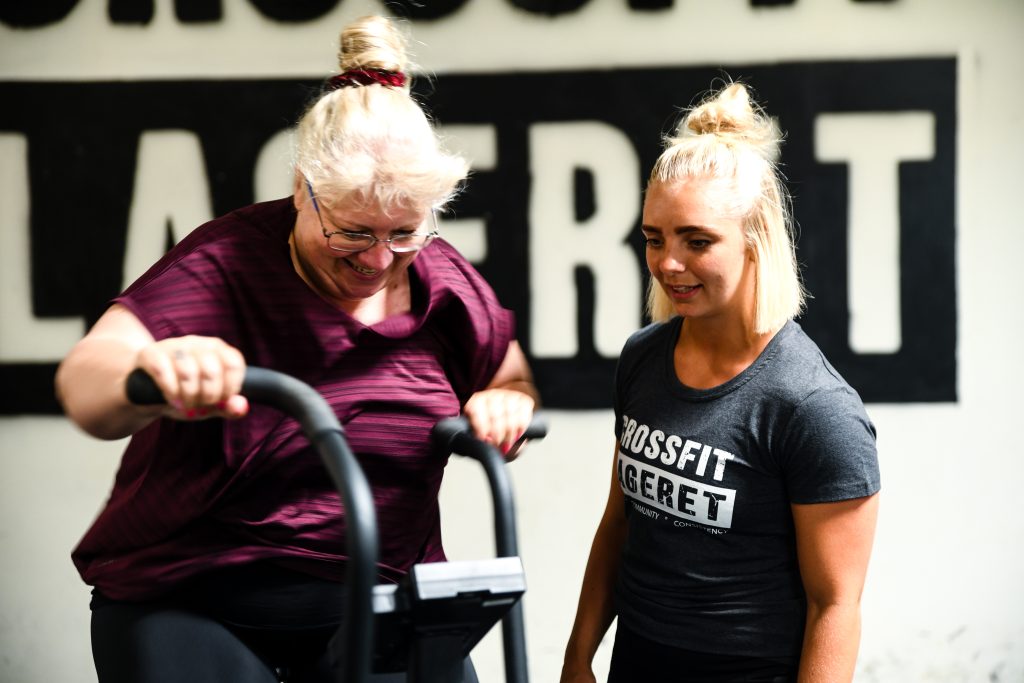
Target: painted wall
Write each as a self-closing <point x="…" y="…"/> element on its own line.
<point x="127" y="124"/>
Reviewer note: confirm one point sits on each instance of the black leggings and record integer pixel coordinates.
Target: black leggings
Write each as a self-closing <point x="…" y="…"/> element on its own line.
<point x="250" y="624"/>
<point x="636" y="658"/>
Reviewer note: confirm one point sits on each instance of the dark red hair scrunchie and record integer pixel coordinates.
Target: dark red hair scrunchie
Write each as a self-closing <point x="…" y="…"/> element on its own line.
<point x="394" y="79"/>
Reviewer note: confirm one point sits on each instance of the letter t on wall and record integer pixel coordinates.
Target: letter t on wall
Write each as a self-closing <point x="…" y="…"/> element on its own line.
<point x="872" y="145"/>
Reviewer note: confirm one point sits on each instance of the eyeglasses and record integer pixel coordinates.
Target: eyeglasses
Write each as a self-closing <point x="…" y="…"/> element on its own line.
<point x="353" y="242"/>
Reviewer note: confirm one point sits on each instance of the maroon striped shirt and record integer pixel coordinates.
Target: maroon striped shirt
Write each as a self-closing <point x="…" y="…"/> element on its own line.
<point x="192" y="496"/>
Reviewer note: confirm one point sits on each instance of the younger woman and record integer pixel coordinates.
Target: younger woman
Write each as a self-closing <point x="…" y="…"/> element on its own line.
<point x="743" y="498"/>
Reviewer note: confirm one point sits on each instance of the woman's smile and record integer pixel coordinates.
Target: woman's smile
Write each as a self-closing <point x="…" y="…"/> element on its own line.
<point x="684" y="292"/>
<point x="362" y="271"/>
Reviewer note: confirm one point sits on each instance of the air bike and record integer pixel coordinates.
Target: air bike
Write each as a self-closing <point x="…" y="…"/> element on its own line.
<point x="427" y="624"/>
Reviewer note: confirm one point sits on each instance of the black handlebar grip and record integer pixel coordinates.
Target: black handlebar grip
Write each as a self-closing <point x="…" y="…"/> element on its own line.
<point x="142" y="390"/>
<point x="446" y="431"/>
<point x="538" y="428"/>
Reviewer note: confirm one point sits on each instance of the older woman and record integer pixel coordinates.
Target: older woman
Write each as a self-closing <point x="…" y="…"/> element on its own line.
<point x="736" y="536"/>
<point x="219" y="552"/>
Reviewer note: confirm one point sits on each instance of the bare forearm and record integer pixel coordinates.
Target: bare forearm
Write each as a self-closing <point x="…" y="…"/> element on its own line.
<point x="90" y="387"/>
<point x="523" y="386"/>
<point x="831" y="641"/>
<point x="833" y="546"/>
<point x="594" y="615"/>
<point x="199" y="377"/>
<point x="596" y="610"/>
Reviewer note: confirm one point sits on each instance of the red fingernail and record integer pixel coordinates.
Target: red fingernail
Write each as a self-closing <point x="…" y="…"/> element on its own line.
<point x="222" y="405"/>
<point x="190" y="412"/>
<point x="203" y="412"/>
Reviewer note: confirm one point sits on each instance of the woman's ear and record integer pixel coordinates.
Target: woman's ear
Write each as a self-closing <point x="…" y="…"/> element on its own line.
<point x="299" y="193"/>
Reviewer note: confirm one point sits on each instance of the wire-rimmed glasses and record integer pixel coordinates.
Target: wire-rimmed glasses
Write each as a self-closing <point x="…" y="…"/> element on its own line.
<point x="354" y="242"/>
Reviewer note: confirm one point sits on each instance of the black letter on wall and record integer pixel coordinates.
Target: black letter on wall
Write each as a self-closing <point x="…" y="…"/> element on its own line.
<point x="416" y="9"/>
<point x="549" y="7"/>
<point x="35" y="14"/>
<point x="294" y="10"/>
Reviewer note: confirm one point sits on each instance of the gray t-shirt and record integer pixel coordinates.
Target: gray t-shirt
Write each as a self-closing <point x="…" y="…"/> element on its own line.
<point x="710" y="561"/>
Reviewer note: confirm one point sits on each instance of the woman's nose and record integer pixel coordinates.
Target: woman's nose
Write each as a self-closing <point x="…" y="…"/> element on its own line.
<point x="671" y="262"/>
<point x="379" y="256"/>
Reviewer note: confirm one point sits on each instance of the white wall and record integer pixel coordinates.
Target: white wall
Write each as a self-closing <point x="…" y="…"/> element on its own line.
<point x="944" y="600"/>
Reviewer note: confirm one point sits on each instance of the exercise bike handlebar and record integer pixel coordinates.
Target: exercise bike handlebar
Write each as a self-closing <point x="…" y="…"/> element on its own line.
<point x="454" y="435"/>
<point x="300" y="401"/>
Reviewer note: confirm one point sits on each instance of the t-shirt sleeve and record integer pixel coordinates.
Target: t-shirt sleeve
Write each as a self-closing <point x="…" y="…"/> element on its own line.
<point x="829" y="448"/>
<point x="476" y="325"/>
<point x="183" y="293"/>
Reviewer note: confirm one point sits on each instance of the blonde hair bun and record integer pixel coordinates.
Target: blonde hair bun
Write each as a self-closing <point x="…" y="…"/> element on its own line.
<point x="373" y="42"/>
<point x="732" y="114"/>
